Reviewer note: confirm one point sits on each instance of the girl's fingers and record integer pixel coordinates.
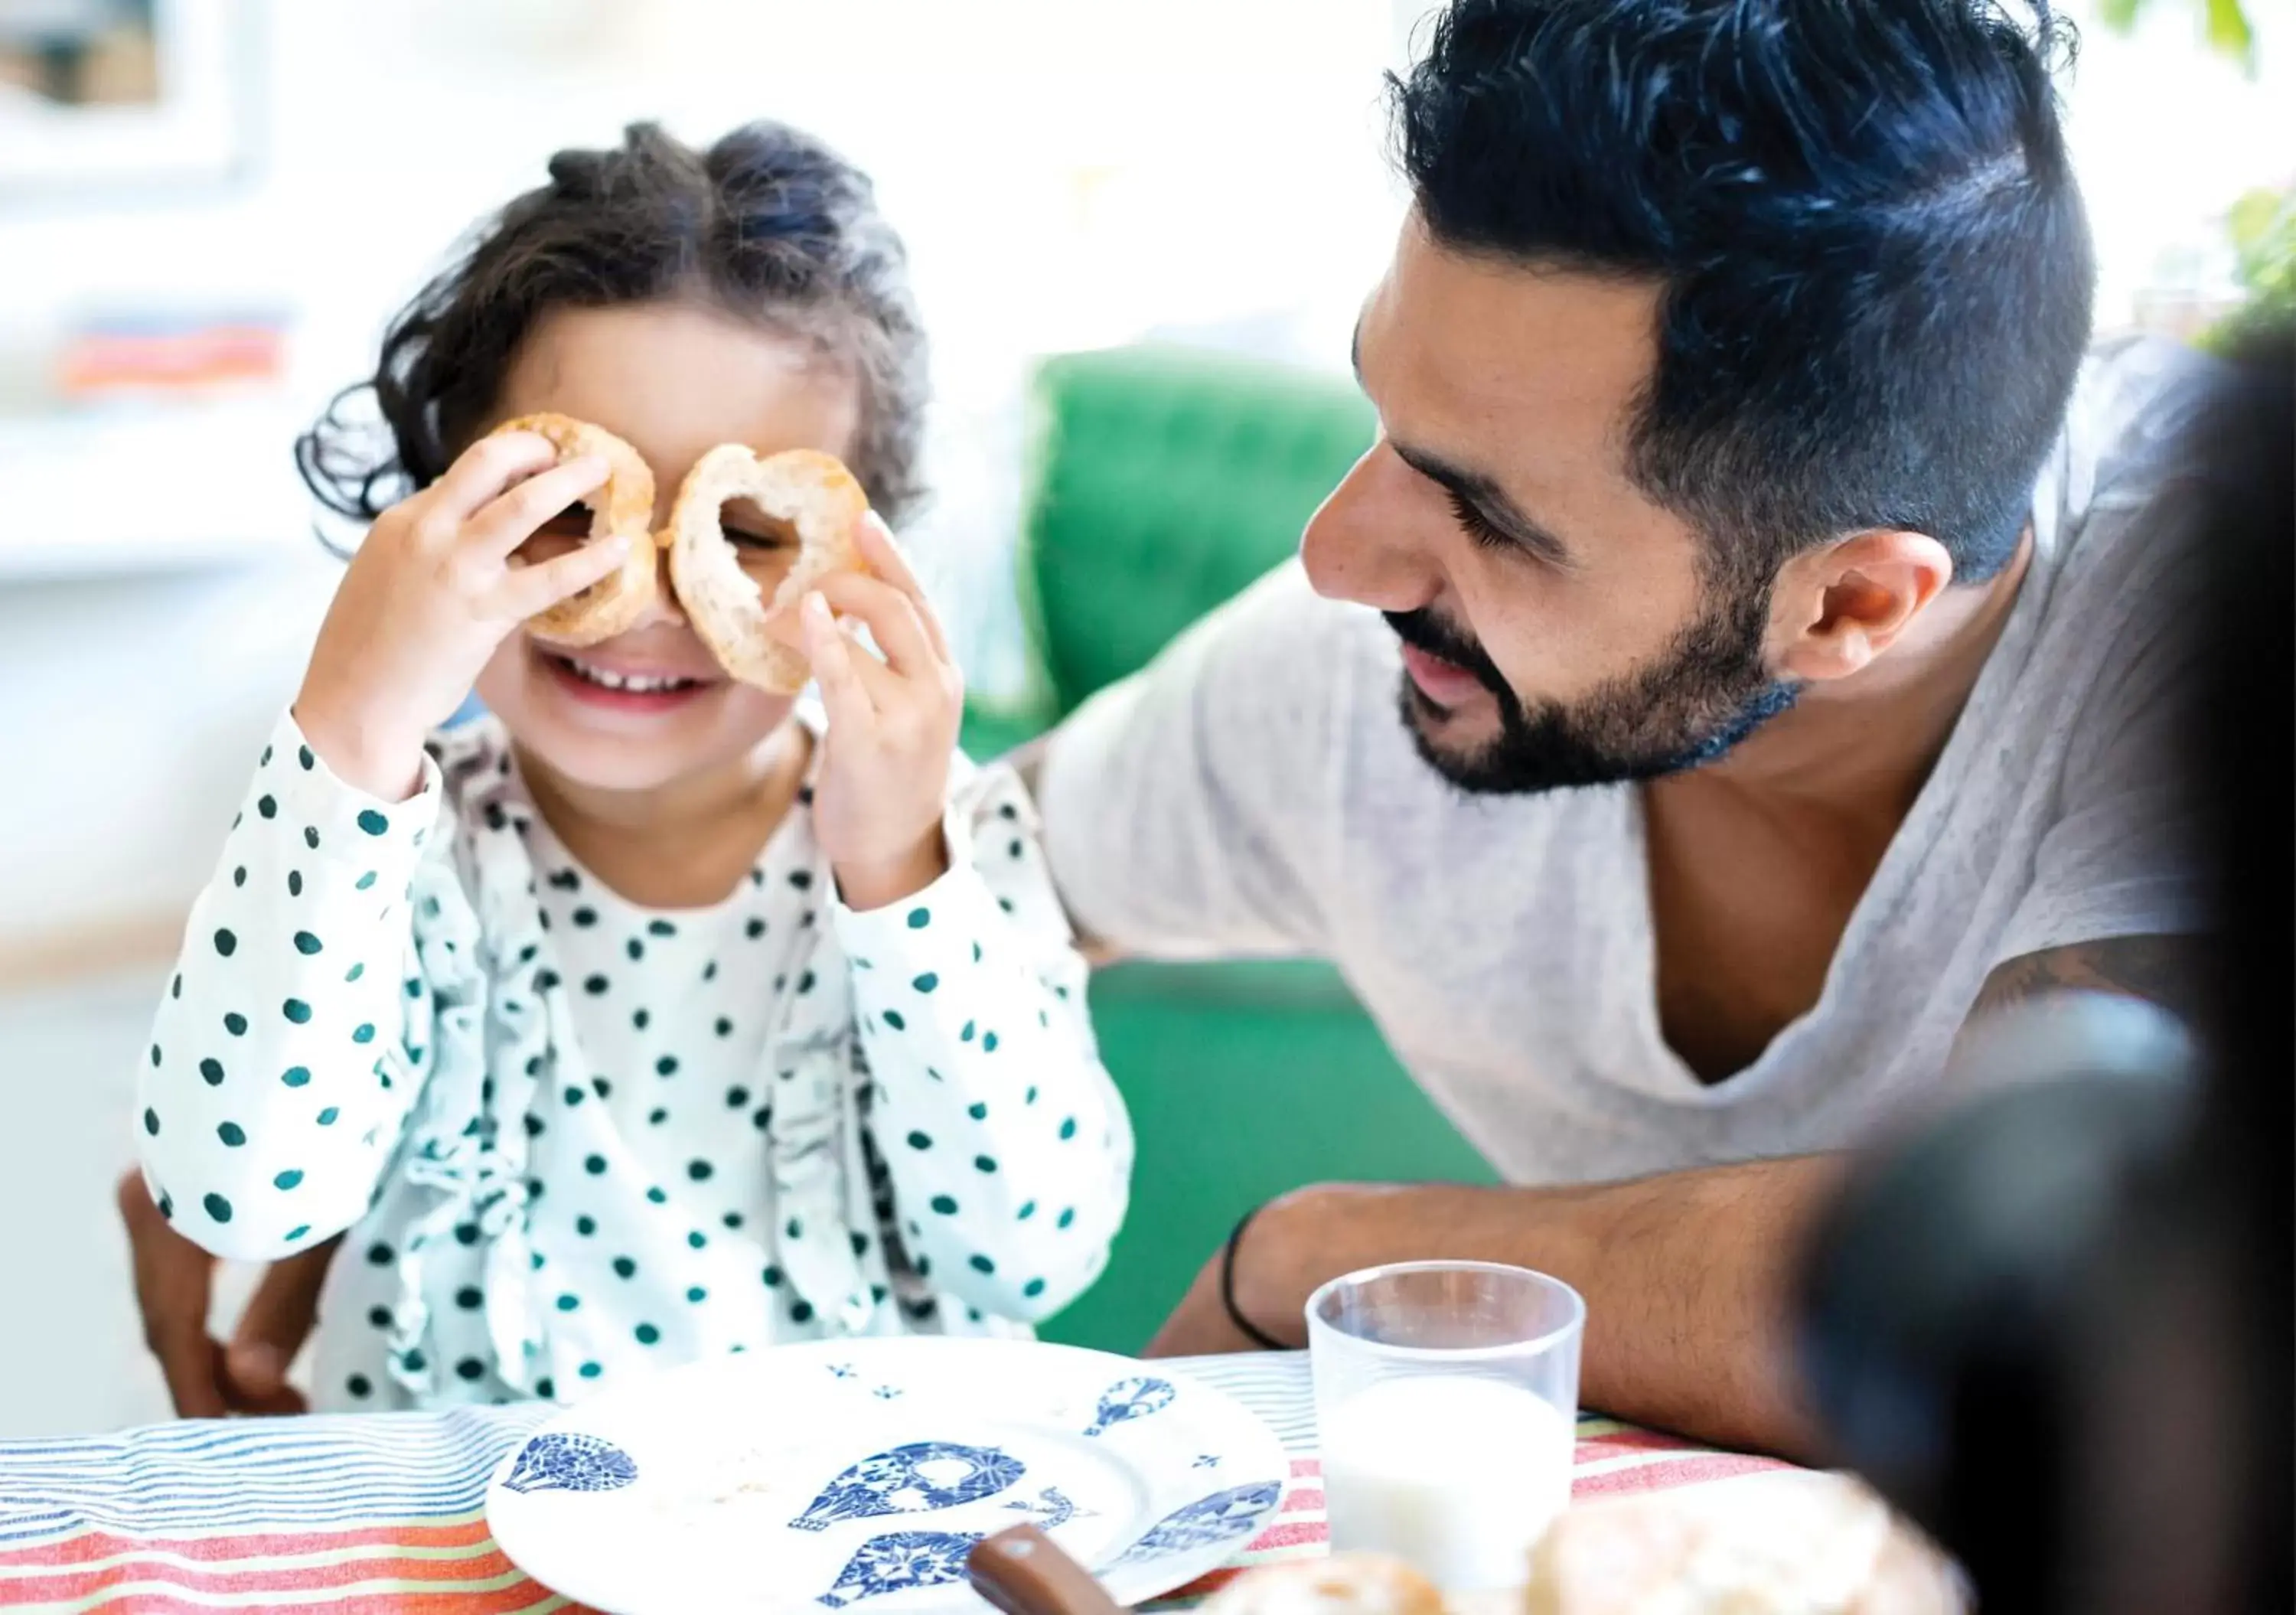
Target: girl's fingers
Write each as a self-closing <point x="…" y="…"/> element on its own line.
<point x="513" y="516"/>
<point x="484" y="470"/>
<point x="886" y="688"/>
<point x="891" y="616"/>
<point x="525" y="590"/>
<point x="882" y="552"/>
<point x="835" y="660"/>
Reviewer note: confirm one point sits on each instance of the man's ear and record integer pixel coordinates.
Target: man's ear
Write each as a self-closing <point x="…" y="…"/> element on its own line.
<point x="1837" y="608"/>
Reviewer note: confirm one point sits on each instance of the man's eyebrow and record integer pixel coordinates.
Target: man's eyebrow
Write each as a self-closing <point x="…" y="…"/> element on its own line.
<point x="1490" y="502"/>
<point x="1488" y="499"/>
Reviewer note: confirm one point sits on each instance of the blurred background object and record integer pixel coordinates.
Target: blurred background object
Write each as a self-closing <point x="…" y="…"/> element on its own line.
<point x="2055" y="1326"/>
<point x="126" y="97"/>
<point x="2224" y="23"/>
<point x="208" y="207"/>
<point x="2199" y="282"/>
<point x="185" y="356"/>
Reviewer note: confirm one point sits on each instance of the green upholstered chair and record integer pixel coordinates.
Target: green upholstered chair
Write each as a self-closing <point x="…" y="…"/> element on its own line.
<point x="1165" y="480"/>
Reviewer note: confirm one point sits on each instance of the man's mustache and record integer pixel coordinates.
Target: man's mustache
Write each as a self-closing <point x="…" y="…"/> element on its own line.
<point x="1423" y="630"/>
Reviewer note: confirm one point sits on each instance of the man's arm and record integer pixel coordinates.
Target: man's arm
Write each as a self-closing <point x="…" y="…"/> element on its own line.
<point x="173" y="1280"/>
<point x="1689" y="1277"/>
<point x="1027" y="759"/>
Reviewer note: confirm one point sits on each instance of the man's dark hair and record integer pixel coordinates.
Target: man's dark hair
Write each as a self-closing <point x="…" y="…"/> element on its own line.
<point x="1876" y="271"/>
<point x="766" y="224"/>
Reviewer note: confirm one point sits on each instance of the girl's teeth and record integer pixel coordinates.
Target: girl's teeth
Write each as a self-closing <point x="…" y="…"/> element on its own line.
<point x="617" y="681"/>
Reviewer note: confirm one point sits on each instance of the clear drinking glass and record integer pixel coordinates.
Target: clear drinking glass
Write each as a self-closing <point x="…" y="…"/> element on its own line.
<point x="1447" y="1395"/>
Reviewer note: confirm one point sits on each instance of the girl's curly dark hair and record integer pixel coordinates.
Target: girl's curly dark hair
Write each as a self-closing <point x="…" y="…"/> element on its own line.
<point x="768" y="224"/>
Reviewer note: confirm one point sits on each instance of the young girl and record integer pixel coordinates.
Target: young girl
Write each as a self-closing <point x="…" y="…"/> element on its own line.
<point x="654" y="1016"/>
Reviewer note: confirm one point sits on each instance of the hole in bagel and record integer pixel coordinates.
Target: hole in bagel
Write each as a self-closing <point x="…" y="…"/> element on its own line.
<point x="767" y="545"/>
<point x="561" y="535"/>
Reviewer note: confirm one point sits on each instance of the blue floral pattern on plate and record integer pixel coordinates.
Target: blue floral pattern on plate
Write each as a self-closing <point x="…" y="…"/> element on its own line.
<point x="556" y="1462"/>
<point x="900" y="1481"/>
<point x="901" y="1559"/>
<point x="898" y="1561"/>
<point x="701" y="1477"/>
<point x="1129" y="1400"/>
<point x="1221" y="1517"/>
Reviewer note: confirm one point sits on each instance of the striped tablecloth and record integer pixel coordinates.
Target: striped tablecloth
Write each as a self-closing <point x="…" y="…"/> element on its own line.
<point x="384" y="1512"/>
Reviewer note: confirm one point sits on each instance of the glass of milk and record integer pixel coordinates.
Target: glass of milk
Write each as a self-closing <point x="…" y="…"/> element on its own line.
<point x="1446" y="1394"/>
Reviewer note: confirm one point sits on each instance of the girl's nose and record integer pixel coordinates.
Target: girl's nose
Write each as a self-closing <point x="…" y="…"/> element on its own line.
<point x="665" y="609"/>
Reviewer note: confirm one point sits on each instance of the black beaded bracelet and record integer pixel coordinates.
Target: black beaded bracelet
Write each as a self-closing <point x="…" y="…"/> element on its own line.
<point x="1252" y="1331"/>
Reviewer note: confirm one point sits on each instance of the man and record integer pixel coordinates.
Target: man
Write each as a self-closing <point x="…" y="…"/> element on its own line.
<point x="1689" y="712"/>
<point x="1759" y="721"/>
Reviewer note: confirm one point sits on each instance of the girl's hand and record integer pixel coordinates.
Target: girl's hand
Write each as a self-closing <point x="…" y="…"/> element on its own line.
<point x="883" y="778"/>
<point x="428" y="599"/>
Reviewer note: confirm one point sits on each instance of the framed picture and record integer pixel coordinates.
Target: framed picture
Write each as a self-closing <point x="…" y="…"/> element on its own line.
<point x="101" y="95"/>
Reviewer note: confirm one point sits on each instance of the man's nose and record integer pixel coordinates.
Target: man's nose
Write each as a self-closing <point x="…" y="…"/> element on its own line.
<point x="1363" y="544"/>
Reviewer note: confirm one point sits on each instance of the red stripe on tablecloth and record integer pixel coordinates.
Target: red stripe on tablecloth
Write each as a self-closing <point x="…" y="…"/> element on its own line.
<point x="513" y="1599"/>
<point x="91" y="1546"/>
<point x="479" y="1560"/>
<point x="1619" y="1443"/>
<point x="1300" y="1535"/>
<point x="518" y="1597"/>
<point x="1690" y="1469"/>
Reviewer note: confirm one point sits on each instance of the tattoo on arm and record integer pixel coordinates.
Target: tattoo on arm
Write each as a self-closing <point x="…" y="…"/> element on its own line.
<point x="2161" y="970"/>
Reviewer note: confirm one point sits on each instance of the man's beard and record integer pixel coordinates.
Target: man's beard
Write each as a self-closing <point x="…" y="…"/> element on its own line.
<point x="1708" y="692"/>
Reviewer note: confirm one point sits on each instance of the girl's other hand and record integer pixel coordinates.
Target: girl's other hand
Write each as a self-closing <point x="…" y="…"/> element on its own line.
<point x="431" y="595"/>
<point x="883" y="778"/>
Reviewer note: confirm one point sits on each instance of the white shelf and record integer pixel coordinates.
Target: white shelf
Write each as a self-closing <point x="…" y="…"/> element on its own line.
<point x="163" y="490"/>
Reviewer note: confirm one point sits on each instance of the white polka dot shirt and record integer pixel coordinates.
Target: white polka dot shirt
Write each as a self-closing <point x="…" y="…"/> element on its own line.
<point x="572" y="1139"/>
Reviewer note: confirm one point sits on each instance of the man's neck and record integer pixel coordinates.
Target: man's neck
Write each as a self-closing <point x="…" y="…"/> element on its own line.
<point x="1859" y="749"/>
<point x="1757" y="862"/>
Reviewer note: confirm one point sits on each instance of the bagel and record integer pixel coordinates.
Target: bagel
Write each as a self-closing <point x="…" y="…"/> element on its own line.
<point x="1796" y="1541"/>
<point x="623" y="506"/>
<point x="1345" y="1584"/>
<point x="809" y="491"/>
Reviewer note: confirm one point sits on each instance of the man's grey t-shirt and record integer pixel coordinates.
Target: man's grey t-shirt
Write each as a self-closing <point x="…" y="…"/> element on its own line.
<point x="1255" y="793"/>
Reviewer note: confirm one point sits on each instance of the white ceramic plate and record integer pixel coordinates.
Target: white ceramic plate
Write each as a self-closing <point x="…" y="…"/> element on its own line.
<point x="858" y="1474"/>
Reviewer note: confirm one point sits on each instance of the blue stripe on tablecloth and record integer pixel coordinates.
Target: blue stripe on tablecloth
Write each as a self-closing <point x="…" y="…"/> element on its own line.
<point x="271" y="1474"/>
<point x="35" y="1528"/>
<point x="280" y="1474"/>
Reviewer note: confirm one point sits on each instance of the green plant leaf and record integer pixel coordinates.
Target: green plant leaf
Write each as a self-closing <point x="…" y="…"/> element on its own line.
<point x="2228" y="31"/>
<point x="2251" y="217"/>
<point x="2262" y="228"/>
<point x="2224" y="23"/>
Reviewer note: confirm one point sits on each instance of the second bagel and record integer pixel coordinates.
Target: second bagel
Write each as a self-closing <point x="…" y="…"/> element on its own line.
<point x="810" y="492"/>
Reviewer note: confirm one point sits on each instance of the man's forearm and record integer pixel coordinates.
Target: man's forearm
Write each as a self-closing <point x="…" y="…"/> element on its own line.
<point x="1688" y="1278"/>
